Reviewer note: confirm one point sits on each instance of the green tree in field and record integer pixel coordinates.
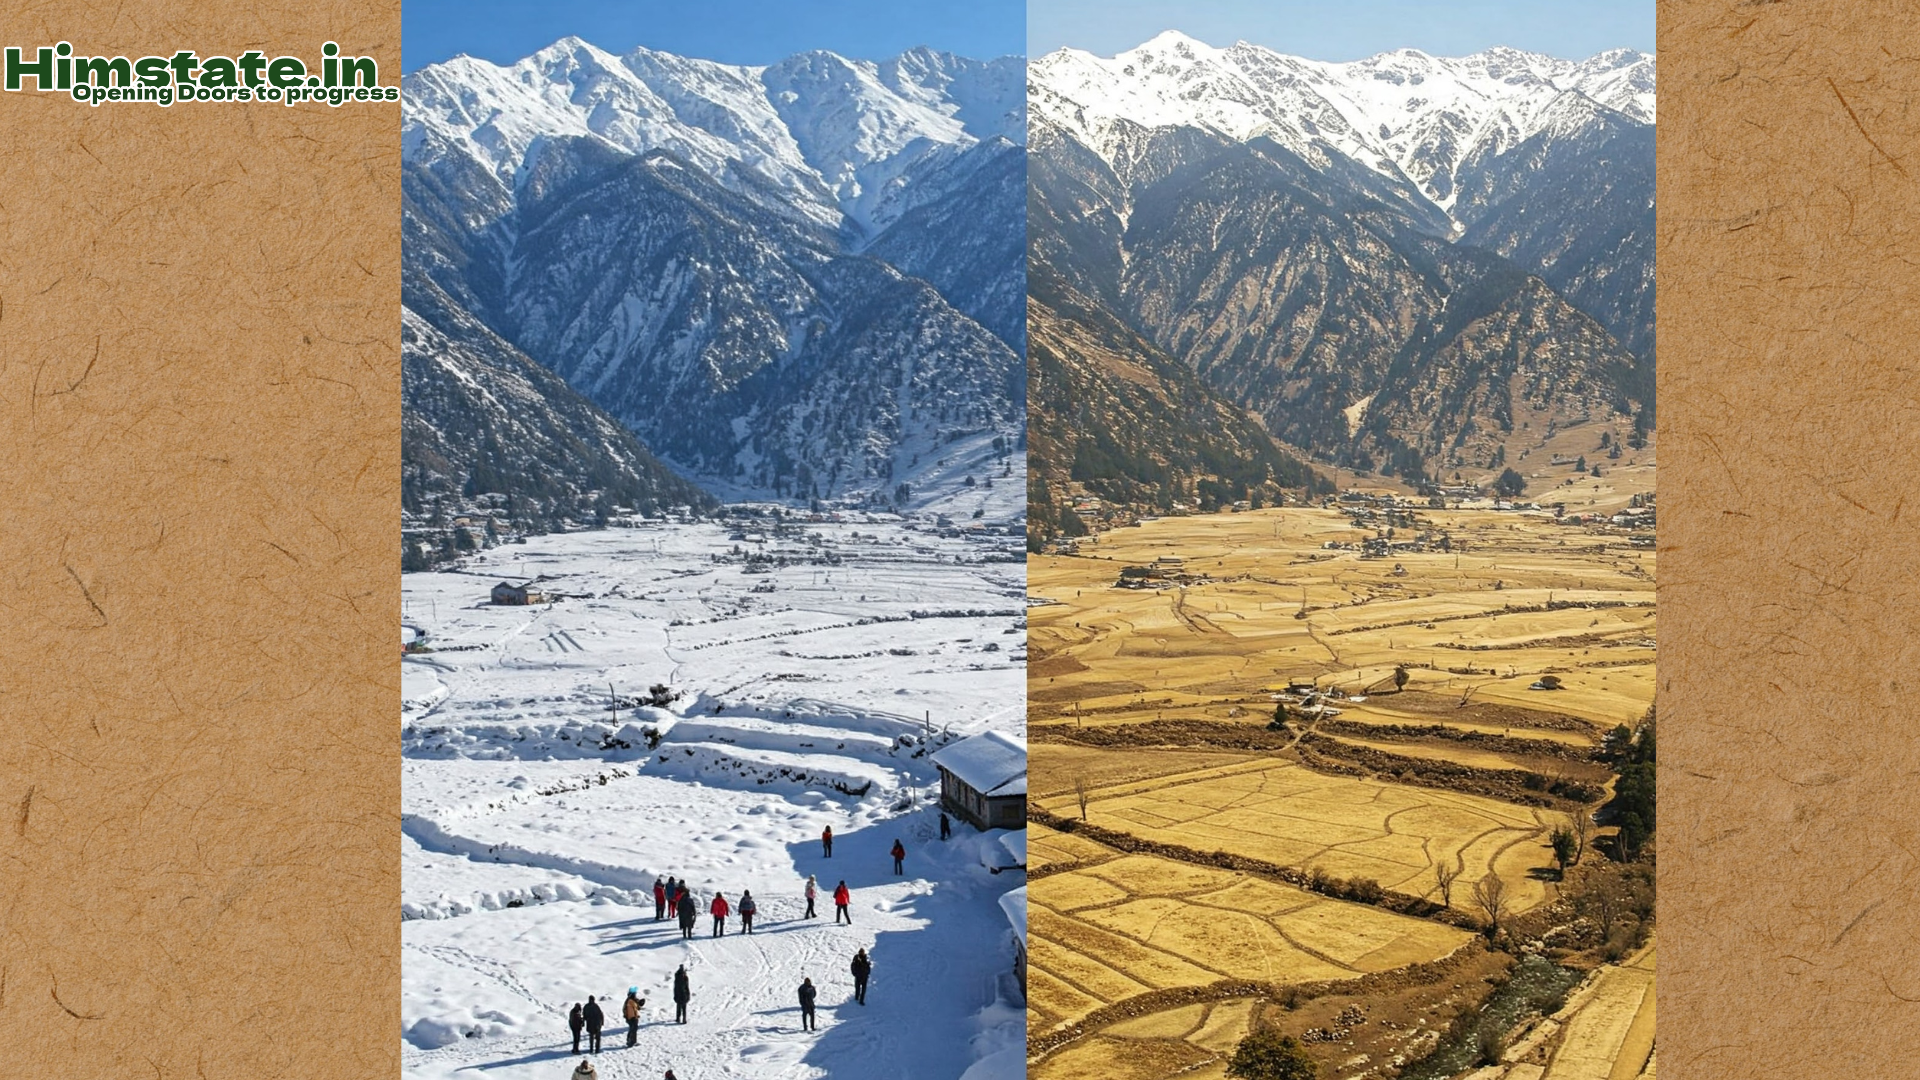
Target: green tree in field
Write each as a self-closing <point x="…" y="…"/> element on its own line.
<point x="1268" y="1055"/>
<point x="1510" y="483"/>
<point x="1564" y="846"/>
<point x="1616" y="743"/>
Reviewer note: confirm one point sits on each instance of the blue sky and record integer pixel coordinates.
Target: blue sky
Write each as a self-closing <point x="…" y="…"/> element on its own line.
<point x="1347" y="29"/>
<point x="731" y="31"/>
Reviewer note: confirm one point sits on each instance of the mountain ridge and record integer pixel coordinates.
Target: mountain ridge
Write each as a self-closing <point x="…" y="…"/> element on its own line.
<point x="797" y="281"/>
<point x="1414" y="297"/>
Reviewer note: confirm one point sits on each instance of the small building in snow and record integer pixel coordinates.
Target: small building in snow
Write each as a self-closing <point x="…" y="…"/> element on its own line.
<point x="984" y="780"/>
<point x="1008" y="855"/>
<point x="1016" y="844"/>
<point x="1015" y="905"/>
<point x="508" y="593"/>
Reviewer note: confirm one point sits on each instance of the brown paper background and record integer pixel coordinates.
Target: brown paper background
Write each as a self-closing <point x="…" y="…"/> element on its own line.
<point x="199" y="465"/>
<point x="1789" y="256"/>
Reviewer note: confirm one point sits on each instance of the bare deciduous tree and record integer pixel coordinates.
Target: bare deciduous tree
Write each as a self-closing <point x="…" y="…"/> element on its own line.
<point x="1582" y="832"/>
<point x="1080" y="793"/>
<point x="1606" y="906"/>
<point x="1490" y="894"/>
<point x="1443" y="877"/>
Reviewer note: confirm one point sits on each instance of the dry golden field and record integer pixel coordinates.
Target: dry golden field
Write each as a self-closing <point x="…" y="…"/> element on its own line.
<point x="1117" y="929"/>
<point x="1114" y="655"/>
<point x="1151" y="708"/>
<point x="1285" y="813"/>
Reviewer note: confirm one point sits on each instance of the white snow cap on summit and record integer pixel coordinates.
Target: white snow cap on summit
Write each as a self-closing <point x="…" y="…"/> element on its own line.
<point x="831" y="132"/>
<point x="1401" y="113"/>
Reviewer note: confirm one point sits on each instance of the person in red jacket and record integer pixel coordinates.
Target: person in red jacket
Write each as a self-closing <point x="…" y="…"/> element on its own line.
<point x="826" y="842"/>
<point x="719" y="909"/>
<point x="659" y="899"/>
<point x="841" y="898"/>
<point x="899" y="855"/>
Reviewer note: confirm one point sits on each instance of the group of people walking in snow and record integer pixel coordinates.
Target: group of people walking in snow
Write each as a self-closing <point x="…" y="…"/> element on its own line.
<point x="842" y="899"/>
<point x="591" y="1018"/>
<point x="862" y="968"/>
<point x="899" y="851"/>
<point x="673" y="898"/>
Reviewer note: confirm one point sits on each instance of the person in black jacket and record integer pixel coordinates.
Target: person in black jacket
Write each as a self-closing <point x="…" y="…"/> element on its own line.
<point x="688" y="915"/>
<point x="806" y="1005"/>
<point x="946" y="827"/>
<point x="862" y="968"/>
<point x="747" y="909"/>
<point x="576" y="1020"/>
<point x="595" y="1021"/>
<point x="682" y="993"/>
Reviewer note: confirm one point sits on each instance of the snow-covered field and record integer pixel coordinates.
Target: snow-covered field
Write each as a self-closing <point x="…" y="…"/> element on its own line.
<point x="816" y="678"/>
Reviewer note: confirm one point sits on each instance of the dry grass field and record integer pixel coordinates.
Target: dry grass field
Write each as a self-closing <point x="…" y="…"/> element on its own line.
<point x="1196" y="1039"/>
<point x="1285" y="813"/>
<point x="1120" y="928"/>
<point x="1523" y="597"/>
<point x="1193" y="1037"/>
<point x="1152" y="707"/>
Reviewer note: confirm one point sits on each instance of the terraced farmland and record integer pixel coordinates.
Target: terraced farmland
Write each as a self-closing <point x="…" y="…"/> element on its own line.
<point x="1208" y="848"/>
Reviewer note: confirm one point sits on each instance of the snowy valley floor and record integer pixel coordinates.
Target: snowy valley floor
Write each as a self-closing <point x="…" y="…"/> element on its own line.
<point x="535" y="822"/>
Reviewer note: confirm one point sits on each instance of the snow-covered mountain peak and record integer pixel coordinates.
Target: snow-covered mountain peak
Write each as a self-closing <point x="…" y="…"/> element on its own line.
<point x="1404" y="113"/>
<point x="1171" y="43"/>
<point x="988" y="97"/>
<point x="827" y="136"/>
